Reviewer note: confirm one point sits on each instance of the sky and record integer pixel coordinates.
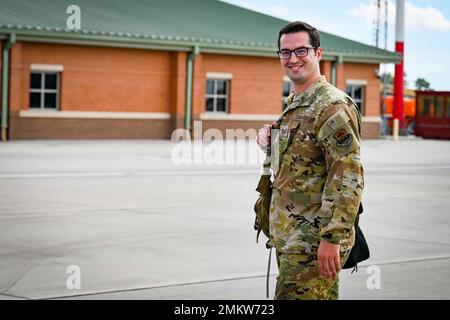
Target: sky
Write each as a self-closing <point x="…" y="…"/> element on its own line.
<point x="427" y="29"/>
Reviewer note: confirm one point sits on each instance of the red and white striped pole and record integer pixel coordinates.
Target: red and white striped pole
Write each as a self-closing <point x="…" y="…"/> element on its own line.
<point x="398" y="77"/>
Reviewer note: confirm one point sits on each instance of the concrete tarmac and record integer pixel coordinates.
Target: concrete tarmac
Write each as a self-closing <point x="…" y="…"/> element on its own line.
<point x="120" y="220"/>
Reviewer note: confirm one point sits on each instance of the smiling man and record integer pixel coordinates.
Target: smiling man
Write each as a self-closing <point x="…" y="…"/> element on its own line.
<point x="319" y="182"/>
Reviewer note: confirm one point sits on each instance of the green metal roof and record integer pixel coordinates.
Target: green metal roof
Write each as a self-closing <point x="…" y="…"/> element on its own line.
<point x="212" y="25"/>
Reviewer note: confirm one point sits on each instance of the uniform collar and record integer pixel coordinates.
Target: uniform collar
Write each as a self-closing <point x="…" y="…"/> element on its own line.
<point x="303" y="96"/>
<point x="293" y="101"/>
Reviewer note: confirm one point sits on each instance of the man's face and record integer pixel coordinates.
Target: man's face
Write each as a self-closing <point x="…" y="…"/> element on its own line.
<point x="300" y="70"/>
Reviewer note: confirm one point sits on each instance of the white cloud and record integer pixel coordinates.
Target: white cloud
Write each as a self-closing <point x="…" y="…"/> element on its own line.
<point x="416" y="18"/>
<point x="279" y="11"/>
<point x="425" y="18"/>
<point x="365" y="12"/>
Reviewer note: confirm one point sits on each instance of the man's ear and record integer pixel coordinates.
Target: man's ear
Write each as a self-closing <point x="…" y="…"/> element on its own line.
<point x="319" y="52"/>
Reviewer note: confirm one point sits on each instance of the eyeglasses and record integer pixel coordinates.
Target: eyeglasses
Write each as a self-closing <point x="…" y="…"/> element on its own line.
<point x="300" y="52"/>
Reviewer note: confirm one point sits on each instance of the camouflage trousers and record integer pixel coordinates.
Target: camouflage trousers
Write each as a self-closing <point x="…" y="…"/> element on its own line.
<point x="299" y="278"/>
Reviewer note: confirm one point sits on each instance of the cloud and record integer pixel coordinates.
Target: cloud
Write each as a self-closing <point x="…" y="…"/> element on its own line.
<point x="278" y="11"/>
<point x="365" y="12"/>
<point x="416" y="18"/>
<point x="426" y="18"/>
<point x="274" y="10"/>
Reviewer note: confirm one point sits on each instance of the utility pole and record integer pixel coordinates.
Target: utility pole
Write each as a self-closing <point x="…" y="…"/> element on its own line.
<point x="377" y="22"/>
<point x="383" y="94"/>
<point x="398" y="78"/>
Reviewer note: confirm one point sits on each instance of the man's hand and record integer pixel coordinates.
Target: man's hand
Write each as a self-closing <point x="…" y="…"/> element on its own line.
<point x="328" y="259"/>
<point x="263" y="138"/>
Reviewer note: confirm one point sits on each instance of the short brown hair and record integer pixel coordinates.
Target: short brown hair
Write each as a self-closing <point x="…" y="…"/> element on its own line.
<point x="299" y="26"/>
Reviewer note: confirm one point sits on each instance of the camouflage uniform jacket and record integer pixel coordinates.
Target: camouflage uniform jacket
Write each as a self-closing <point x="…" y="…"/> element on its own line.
<point x="318" y="185"/>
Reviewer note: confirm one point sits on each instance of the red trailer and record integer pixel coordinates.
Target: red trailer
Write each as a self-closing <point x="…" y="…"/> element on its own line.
<point x="433" y="114"/>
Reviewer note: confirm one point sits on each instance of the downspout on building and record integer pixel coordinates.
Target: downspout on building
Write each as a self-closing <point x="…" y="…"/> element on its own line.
<point x="189" y="76"/>
<point x="5" y="84"/>
<point x="334" y="66"/>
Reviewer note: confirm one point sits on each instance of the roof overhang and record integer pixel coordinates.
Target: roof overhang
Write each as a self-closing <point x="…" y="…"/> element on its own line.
<point x="213" y="46"/>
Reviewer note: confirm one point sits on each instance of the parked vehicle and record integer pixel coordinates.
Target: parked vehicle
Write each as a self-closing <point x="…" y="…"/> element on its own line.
<point x="433" y="114"/>
<point x="409" y="112"/>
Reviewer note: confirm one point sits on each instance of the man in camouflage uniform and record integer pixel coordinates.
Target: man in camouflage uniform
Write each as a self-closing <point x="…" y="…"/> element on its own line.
<point x="319" y="182"/>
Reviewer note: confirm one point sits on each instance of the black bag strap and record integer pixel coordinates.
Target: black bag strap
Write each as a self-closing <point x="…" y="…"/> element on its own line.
<point x="360" y="210"/>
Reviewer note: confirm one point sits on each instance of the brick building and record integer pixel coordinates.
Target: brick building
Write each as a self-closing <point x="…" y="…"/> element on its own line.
<point x="142" y="68"/>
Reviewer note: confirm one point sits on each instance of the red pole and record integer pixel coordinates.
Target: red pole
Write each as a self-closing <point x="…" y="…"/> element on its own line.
<point x="398" y="78"/>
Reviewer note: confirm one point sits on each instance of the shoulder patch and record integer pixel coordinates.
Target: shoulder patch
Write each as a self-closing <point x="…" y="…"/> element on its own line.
<point x="337" y="135"/>
<point x="343" y="138"/>
<point x="335" y="122"/>
<point x="341" y="142"/>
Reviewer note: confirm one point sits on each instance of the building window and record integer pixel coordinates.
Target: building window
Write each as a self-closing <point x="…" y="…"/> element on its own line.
<point x="44" y="90"/>
<point x="426" y="106"/>
<point x="288" y="87"/>
<point x="448" y="107"/>
<point x="440" y="107"/>
<point x="356" y="92"/>
<point x="432" y="106"/>
<point x="217" y="95"/>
